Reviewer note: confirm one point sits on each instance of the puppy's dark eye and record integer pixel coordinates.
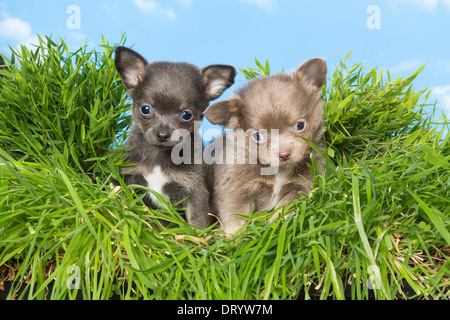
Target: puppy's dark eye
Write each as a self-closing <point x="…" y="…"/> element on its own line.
<point x="300" y="125"/>
<point x="146" y="110"/>
<point x="186" y="116"/>
<point x="258" y="137"/>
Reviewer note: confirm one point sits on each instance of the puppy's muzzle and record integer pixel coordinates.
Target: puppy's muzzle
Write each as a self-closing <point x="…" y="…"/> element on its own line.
<point x="285" y="155"/>
<point x="163" y="135"/>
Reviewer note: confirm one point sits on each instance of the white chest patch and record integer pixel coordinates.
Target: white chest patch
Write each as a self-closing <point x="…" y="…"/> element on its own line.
<point x="156" y="180"/>
<point x="280" y="180"/>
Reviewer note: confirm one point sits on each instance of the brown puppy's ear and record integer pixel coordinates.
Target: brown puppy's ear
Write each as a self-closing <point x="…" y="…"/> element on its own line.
<point x="216" y="79"/>
<point x="130" y="65"/>
<point x="314" y="71"/>
<point x="225" y="113"/>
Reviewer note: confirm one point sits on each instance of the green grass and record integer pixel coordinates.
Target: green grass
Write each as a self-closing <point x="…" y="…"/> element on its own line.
<point x="379" y="216"/>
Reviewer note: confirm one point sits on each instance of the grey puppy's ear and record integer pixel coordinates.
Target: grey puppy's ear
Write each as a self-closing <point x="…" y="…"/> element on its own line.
<point x="314" y="71"/>
<point x="130" y="65"/>
<point x="225" y="113"/>
<point x="216" y="79"/>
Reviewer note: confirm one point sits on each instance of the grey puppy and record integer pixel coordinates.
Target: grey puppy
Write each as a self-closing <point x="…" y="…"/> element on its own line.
<point x="169" y="97"/>
<point x="272" y="115"/>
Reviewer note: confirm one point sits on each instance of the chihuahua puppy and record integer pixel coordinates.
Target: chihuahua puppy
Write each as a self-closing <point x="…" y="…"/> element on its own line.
<point x="168" y="98"/>
<point x="272" y="115"/>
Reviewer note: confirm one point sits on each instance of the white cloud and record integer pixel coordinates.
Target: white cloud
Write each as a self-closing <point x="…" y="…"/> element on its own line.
<point x="267" y="5"/>
<point x="155" y="7"/>
<point x="30" y="41"/>
<point x="442" y="94"/>
<point x="185" y="3"/>
<point x="77" y="36"/>
<point x="146" y="5"/>
<point x="14" y="28"/>
<point x="111" y="10"/>
<point x="170" y="14"/>
<point x="408" y="65"/>
<point x="444" y="64"/>
<point x="17" y="31"/>
<point x="429" y="5"/>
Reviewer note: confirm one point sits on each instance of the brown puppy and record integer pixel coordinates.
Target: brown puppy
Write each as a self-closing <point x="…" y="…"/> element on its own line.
<point x="168" y="103"/>
<point x="272" y="116"/>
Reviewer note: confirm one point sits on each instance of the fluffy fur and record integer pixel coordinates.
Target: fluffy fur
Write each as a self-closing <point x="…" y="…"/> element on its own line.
<point x="164" y="96"/>
<point x="289" y="103"/>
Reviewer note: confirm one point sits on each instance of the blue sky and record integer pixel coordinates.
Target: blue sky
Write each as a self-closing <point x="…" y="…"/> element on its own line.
<point x="400" y="35"/>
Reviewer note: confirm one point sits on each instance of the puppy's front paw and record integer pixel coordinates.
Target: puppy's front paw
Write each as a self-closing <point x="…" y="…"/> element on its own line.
<point x="232" y="228"/>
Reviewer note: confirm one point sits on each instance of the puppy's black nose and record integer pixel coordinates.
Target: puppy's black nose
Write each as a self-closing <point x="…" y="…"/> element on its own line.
<point x="162" y="136"/>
